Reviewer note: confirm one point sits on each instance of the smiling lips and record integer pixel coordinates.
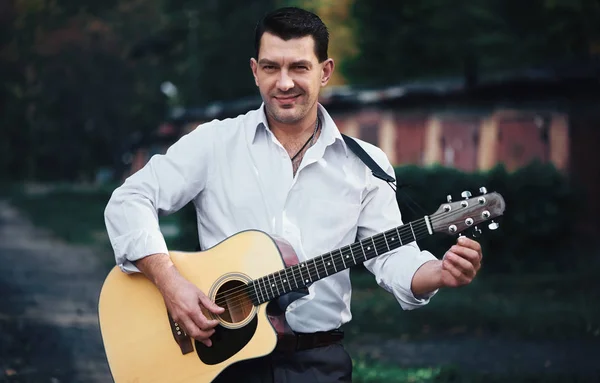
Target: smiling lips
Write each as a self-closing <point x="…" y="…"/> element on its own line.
<point x="286" y="99"/>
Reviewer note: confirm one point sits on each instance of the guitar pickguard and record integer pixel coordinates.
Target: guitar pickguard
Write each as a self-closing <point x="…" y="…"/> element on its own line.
<point x="225" y="343"/>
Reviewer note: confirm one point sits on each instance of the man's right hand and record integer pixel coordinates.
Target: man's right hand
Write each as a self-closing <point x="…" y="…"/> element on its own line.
<point x="185" y="302"/>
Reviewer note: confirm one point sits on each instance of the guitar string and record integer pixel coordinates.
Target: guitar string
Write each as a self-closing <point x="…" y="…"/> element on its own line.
<point x="312" y="269"/>
<point x="242" y="291"/>
<point x="245" y="290"/>
<point x="240" y="300"/>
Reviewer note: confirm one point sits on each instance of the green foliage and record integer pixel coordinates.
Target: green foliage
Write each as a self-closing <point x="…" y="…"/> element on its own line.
<point x="376" y="372"/>
<point x="367" y="371"/>
<point x="80" y="80"/>
<point x="212" y="43"/>
<point x="73" y="214"/>
<point x="403" y="40"/>
<point x="538" y="229"/>
<point x="534" y="306"/>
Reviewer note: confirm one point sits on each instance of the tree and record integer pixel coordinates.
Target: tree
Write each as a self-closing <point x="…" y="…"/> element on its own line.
<point x="400" y="41"/>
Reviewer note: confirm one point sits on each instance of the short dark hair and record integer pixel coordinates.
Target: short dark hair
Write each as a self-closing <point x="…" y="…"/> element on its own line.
<point x="291" y="22"/>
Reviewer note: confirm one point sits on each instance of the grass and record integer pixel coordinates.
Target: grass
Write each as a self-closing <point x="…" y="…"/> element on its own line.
<point x="74" y="213"/>
<point x="532" y="306"/>
<point x="377" y="372"/>
<point x="529" y="306"/>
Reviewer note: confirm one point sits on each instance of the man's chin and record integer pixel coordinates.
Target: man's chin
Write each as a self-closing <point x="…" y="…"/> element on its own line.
<point x="285" y="115"/>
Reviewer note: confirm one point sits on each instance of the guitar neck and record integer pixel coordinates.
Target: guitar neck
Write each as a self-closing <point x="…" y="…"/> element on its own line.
<point x="303" y="274"/>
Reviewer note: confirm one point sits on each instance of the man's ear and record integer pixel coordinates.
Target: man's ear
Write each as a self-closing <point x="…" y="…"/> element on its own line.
<point x="327" y="71"/>
<point x="254" y="67"/>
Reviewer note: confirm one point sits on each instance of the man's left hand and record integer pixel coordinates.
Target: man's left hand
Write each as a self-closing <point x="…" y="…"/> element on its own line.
<point x="461" y="263"/>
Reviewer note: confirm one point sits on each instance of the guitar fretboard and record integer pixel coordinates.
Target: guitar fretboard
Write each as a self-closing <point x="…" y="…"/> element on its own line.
<point x="303" y="274"/>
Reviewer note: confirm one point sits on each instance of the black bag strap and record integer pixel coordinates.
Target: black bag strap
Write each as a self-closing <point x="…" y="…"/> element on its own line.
<point x="364" y="157"/>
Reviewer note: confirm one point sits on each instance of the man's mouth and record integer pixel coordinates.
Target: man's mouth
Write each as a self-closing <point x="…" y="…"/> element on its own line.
<point x="287" y="98"/>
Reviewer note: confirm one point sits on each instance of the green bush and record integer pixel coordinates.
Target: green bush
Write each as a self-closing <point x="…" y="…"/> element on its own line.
<point x="537" y="231"/>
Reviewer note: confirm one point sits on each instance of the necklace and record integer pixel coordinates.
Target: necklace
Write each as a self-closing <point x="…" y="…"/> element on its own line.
<point x="309" y="140"/>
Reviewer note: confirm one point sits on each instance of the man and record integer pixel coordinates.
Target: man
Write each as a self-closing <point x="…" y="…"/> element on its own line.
<point x="286" y="170"/>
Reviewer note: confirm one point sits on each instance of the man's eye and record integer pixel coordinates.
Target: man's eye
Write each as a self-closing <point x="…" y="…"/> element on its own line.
<point x="269" y="67"/>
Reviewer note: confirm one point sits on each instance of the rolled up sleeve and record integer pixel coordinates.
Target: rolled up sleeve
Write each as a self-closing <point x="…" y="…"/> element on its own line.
<point x="394" y="270"/>
<point x="163" y="186"/>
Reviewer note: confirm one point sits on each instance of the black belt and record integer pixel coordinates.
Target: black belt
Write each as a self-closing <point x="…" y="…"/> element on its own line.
<point x="303" y="341"/>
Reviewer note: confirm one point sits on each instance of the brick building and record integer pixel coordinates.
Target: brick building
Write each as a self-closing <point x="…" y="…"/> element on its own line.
<point x="552" y="115"/>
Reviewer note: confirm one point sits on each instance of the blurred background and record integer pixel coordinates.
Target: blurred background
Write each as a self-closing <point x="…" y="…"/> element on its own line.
<point x="460" y="94"/>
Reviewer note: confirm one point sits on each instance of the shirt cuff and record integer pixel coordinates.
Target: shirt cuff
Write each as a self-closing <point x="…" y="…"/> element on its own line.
<point x="137" y="245"/>
<point x="402" y="281"/>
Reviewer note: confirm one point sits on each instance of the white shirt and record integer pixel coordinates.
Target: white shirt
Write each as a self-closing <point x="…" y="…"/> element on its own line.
<point x="240" y="177"/>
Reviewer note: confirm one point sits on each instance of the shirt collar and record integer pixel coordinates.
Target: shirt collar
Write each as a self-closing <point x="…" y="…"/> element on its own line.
<point x="329" y="130"/>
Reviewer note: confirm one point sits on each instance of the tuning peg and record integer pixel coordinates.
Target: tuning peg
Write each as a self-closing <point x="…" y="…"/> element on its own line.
<point x="466" y="194"/>
<point x="449" y="198"/>
<point x="483" y="190"/>
<point x="476" y="232"/>
<point x="493" y="225"/>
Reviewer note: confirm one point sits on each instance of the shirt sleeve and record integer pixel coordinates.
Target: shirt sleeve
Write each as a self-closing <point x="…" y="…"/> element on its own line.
<point x="164" y="185"/>
<point x="394" y="270"/>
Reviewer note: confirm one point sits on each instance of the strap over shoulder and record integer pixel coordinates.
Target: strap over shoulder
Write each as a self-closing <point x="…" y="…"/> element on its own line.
<point x="364" y="157"/>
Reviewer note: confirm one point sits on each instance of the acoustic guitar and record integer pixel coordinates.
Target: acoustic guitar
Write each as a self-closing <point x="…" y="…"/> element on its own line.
<point x="248" y="274"/>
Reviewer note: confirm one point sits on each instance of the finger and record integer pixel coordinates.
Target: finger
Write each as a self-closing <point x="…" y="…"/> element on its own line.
<point x="204" y="337"/>
<point x="465" y="267"/>
<point x="468" y="254"/>
<point x="449" y="266"/>
<point x="470" y="243"/>
<point x="195" y="332"/>
<point x="202" y="321"/>
<point x="210" y="305"/>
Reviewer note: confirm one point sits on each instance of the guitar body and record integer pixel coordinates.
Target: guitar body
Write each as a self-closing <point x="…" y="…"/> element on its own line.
<point x="143" y="344"/>
<point x="253" y="276"/>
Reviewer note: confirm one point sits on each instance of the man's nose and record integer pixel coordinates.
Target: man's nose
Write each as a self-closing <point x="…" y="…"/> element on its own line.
<point x="285" y="82"/>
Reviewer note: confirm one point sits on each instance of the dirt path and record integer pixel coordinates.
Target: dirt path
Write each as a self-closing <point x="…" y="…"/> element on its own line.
<point x="576" y="358"/>
<point x="48" y="307"/>
<point x="49" y="328"/>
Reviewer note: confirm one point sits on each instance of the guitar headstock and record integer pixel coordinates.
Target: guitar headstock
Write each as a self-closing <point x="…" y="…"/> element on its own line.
<point x="456" y="217"/>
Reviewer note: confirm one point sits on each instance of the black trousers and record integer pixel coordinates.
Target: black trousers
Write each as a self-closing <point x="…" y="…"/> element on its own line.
<point x="327" y="364"/>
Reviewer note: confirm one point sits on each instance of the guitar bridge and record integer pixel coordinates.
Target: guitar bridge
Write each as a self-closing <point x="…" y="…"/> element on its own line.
<point x="181" y="338"/>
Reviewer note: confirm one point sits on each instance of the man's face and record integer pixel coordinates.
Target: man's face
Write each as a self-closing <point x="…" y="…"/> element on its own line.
<point x="289" y="77"/>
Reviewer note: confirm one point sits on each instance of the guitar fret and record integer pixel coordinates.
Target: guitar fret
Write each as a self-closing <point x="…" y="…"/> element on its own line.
<point x="352" y="252"/>
<point x="399" y="236"/>
<point x="273" y="284"/>
<point x="278" y="284"/>
<point x="294" y="276"/>
<point x="374" y="246"/>
<point x="332" y="261"/>
<point x="307" y="271"/>
<point x="324" y="267"/>
<point x="413" y="232"/>
<point x="281" y="281"/>
<point x="386" y="242"/>
<point x="262" y="298"/>
<point x="265" y="283"/>
<point x="363" y="250"/>
<point x="278" y="280"/>
<point x="287" y="278"/>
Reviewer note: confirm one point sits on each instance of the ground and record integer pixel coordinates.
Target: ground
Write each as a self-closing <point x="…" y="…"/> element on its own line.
<point x="48" y="307"/>
<point x="49" y="329"/>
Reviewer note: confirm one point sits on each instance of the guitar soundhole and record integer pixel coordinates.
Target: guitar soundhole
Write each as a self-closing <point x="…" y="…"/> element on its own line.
<point x="233" y="297"/>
